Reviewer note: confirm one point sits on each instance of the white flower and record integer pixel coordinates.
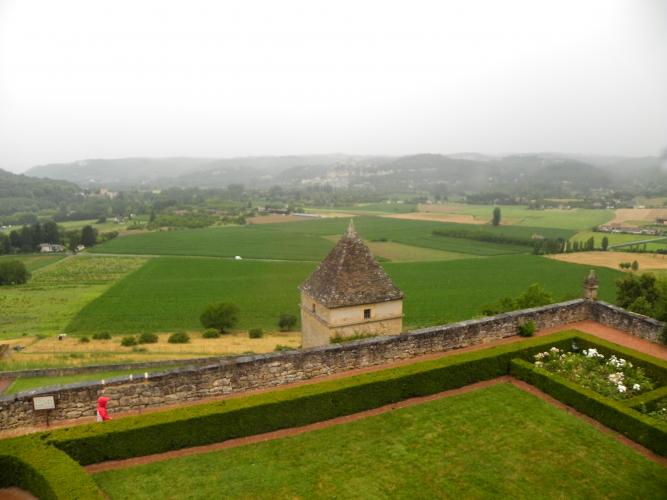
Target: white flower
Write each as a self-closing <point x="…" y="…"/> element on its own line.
<point x="554" y="349"/>
<point x="636" y="387"/>
<point x="592" y="353"/>
<point x="621" y="388"/>
<point x="616" y="378"/>
<point x="538" y="363"/>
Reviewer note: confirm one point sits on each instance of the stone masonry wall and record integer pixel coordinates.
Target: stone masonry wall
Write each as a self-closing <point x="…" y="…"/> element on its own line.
<point x="635" y="324"/>
<point x="233" y="375"/>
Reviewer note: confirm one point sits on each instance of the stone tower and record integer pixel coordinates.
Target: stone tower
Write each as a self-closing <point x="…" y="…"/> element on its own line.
<point x="349" y="294"/>
<point x="591" y="285"/>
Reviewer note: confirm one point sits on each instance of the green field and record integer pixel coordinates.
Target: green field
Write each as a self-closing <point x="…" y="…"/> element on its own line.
<point x="576" y="219"/>
<point x="33" y="262"/>
<point x="169" y="293"/>
<point x="28" y="383"/>
<point x="306" y="241"/>
<point x="55" y="294"/>
<point x="496" y="442"/>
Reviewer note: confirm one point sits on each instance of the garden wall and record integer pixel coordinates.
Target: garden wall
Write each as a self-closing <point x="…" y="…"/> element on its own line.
<point x="640" y="326"/>
<point x="233" y="375"/>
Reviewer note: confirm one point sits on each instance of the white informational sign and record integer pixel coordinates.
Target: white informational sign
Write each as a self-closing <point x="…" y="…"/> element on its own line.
<point x="44" y="403"/>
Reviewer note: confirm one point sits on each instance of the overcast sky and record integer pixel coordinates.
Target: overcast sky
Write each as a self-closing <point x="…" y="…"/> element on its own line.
<point x="103" y="79"/>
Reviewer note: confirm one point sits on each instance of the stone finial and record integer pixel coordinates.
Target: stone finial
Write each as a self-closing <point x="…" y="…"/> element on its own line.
<point x="591" y="285"/>
<point x="350" y="229"/>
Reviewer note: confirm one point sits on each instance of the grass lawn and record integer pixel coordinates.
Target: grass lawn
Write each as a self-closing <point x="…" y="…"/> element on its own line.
<point x="307" y="240"/>
<point x="496" y="442"/>
<point x="55" y="294"/>
<point x="170" y="293"/>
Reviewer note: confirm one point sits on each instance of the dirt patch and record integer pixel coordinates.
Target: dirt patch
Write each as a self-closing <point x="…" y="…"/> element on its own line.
<point x="15" y="493"/>
<point x="275" y="219"/>
<point x="626" y="215"/>
<point x="613" y="259"/>
<point x="4" y="384"/>
<point x="439" y="217"/>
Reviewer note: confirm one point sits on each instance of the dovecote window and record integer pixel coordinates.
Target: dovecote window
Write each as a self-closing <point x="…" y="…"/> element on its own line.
<point x="367" y="314"/>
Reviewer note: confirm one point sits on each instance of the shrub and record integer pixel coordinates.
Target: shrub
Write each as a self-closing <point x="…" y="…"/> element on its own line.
<point x="179" y="338"/>
<point x="663" y="335"/>
<point x="255" y="333"/>
<point x="102" y="336"/>
<point x="148" y="338"/>
<point x="211" y="333"/>
<point x="128" y="341"/>
<point x="527" y="329"/>
<point x="286" y="322"/>
<point x="280" y="347"/>
<point x="84" y="340"/>
<point x="220" y="316"/>
<point x="45" y="471"/>
<point x="13" y="272"/>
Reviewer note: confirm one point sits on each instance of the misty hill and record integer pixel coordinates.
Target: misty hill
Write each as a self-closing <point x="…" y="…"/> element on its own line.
<point x="180" y="171"/>
<point x="538" y="174"/>
<point x="20" y="193"/>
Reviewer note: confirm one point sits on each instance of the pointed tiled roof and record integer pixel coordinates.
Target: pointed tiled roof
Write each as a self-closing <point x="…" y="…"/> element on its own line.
<point x="350" y="276"/>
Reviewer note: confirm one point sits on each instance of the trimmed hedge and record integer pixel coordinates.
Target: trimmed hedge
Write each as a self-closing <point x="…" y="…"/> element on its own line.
<point x="648" y="399"/>
<point x="640" y="428"/>
<point x="238" y="417"/>
<point x="45" y="471"/>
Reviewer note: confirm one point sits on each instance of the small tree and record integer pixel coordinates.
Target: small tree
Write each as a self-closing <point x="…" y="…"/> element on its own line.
<point x="635" y="266"/>
<point x="88" y="236"/>
<point x="220" y="316"/>
<point x="605" y="243"/>
<point x="286" y="322"/>
<point x="496" y="216"/>
<point x="13" y="272"/>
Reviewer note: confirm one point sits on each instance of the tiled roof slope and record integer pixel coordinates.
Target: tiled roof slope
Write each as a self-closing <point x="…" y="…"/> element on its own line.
<point x="350" y="276"/>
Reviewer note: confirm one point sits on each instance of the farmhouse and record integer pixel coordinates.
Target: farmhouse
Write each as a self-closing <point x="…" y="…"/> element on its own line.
<point x="50" y="247"/>
<point x="349" y="295"/>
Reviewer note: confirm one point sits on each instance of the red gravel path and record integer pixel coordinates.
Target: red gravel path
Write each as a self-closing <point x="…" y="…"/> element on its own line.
<point x="4" y="384"/>
<point x="15" y="493"/>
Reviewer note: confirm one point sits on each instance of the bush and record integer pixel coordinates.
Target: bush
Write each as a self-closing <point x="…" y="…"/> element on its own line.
<point x="128" y="341"/>
<point x="179" y="338"/>
<point x="13" y="272"/>
<point x="211" y="333"/>
<point x="84" y="340"/>
<point x="527" y="329"/>
<point x="148" y="338"/>
<point x="102" y="336"/>
<point x="286" y="322"/>
<point x="45" y="471"/>
<point x="663" y="335"/>
<point x="220" y="316"/>
<point x="255" y="333"/>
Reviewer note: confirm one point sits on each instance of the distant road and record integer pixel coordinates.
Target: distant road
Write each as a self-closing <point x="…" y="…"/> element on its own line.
<point x="640" y="242"/>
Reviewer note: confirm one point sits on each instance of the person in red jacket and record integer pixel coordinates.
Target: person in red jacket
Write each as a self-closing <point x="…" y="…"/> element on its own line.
<point x="102" y="413"/>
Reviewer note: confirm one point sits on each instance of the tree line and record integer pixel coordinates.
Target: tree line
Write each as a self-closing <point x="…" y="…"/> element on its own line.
<point x="29" y="237"/>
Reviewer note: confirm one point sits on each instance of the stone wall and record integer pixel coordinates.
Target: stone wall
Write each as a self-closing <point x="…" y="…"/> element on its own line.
<point x="233" y="375"/>
<point x="635" y="324"/>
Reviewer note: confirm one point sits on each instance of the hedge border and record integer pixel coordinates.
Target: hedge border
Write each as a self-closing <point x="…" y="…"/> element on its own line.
<point x="44" y="470"/>
<point x="640" y="428"/>
<point x="648" y="399"/>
